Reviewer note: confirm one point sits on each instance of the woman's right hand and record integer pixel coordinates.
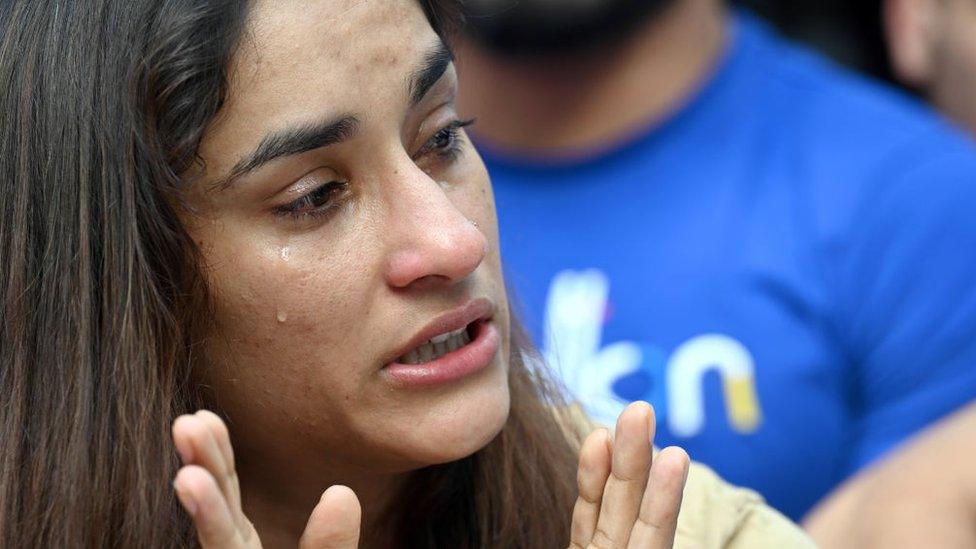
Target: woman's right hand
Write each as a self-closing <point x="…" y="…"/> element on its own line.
<point x="628" y="498"/>
<point x="208" y="489"/>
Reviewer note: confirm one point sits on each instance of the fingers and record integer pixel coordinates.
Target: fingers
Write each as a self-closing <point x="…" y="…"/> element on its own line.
<point x="658" y="518"/>
<point x="335" y="521"/>
<point x="594" y="470"/>
<point x="231" y="484"/>
<point x="630" y="467"/>
<point x="201" y="497"/>
<point x="209" y="490"/>
<point x="202" y="439"/>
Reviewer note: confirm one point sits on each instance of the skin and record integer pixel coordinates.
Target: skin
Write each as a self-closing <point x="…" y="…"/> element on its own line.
<point x="933" y="47"/>
<point x="313" y="298"/>
<point x="892" y="504"/>
<point x="309" y="309"/>
<point x="562" y="107"/>
<point x="628" y="497"/>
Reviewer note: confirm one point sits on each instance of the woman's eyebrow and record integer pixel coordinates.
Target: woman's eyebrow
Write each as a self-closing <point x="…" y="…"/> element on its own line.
<point x="435" y="64"/>
<point x="291" y="141"/>
<point x="304" y="138"/>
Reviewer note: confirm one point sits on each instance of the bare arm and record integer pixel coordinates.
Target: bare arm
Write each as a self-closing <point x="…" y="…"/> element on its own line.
<point x="923" y="495"/>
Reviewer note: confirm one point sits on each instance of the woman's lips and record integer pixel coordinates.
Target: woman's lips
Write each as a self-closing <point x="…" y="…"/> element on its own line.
<point x="461" y="317"/>
<point x="457" y="364"/>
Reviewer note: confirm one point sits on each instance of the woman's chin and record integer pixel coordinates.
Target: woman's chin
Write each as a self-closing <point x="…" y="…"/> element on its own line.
<point x="451" y="430"/>
<point x="460" y="441"/>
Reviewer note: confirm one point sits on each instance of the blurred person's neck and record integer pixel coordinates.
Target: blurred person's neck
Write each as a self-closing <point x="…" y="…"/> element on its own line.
<point x="561" y="106"/>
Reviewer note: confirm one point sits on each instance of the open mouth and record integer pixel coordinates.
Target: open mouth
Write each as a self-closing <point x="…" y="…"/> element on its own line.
<point x="453" y="346"/>
<point x="438" y="346"/>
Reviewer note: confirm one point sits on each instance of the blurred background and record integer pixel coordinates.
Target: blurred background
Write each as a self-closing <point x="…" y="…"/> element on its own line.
<point x="850" y="32"/>
<point x="774" y="252"/>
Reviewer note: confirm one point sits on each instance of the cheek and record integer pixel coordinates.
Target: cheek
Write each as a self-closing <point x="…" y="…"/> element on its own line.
<point x="283" y="316"/>
<point x="477" y="200"/>
<point x="958" y="56"/>
<point x="968" y="68"/>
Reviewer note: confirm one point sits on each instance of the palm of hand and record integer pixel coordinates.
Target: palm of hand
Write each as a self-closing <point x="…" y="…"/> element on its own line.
<point x="628" y="498"/>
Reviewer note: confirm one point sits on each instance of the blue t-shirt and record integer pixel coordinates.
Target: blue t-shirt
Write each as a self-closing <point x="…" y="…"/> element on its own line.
<point x="785" y="268"/>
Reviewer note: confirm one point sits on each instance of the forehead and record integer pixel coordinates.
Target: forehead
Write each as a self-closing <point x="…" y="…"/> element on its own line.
<point x="282" y="34"/>
<point x="316" y="58"/>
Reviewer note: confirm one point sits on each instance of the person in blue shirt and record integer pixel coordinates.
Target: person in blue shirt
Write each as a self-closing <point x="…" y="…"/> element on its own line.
<point x="932" y="48"/>
<point x="776" y="253"/>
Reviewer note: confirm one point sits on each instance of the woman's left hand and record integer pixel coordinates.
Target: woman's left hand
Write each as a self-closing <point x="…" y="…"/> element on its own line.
<point x="628" y="498"/>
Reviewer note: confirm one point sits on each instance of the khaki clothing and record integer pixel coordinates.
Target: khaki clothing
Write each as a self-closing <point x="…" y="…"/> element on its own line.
<point x="714" y="514"/>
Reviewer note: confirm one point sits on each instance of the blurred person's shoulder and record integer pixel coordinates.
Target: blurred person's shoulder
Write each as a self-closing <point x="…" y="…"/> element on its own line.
<point x="715" y="513"/>
<point x="789" y="71"/>
<point x="821" y="99"/>
<point x="848" y="139"/>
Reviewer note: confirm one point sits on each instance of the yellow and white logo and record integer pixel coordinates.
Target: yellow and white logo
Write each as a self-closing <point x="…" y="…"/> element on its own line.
<point x="573" y="330"/>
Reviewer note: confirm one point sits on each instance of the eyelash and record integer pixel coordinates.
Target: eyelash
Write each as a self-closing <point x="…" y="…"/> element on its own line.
<point x="320" y="201"/>
<point x="454" y="147"/>
<point x="317" y="203"/>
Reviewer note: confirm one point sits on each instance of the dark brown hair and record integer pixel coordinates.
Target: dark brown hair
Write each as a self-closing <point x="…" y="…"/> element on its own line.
<point x="102" y="105"/>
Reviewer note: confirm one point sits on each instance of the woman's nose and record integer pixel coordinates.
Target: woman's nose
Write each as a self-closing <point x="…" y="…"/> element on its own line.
<point x="434" y="241"/>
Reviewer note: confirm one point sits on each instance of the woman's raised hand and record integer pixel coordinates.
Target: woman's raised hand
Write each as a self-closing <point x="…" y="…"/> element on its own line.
<point x="628" y="499"/>
<point x="208" y="489"/>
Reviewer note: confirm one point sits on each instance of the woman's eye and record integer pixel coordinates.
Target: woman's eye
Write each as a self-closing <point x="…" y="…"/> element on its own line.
<point x="446" y="141"/>
<point x="320" y="201"/>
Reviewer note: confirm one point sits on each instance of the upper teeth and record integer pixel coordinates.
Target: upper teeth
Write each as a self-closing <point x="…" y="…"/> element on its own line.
<point x="437" y="347"/>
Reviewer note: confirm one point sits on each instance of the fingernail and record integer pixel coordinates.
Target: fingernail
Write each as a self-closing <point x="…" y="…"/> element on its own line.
<point x="186" y="499"/>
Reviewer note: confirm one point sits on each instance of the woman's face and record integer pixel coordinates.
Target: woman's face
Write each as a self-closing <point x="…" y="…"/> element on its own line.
<point x="344" y="221"/>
